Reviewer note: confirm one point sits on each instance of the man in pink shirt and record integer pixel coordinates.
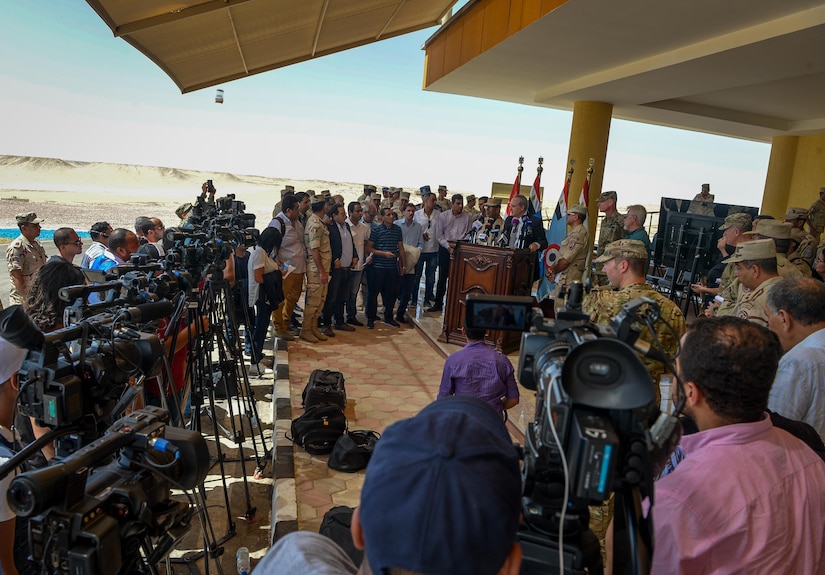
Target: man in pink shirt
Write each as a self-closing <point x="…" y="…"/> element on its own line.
<point x="748" y="497"/>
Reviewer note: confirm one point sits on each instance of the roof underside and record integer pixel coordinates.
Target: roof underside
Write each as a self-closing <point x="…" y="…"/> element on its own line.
<point x="205" y="43"/>
<point x="752" y="69"/>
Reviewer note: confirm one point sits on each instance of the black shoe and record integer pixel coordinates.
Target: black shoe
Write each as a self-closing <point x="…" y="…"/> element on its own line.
<point x="355" y="322"/>
<point x="435" y="307"/>
<point x="400" y="319"/>
<point x="392" y="322"/>
<point x="370" y="324"/>
<point x="344" y="327"/>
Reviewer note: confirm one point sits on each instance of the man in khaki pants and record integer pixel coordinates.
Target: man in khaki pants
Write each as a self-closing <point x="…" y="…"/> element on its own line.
<point x="292" y="253"/>
<point x="319" y="260"/>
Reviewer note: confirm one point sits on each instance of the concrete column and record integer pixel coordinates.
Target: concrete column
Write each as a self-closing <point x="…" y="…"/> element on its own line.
<point x="780" y="175"/>
<point x="588" y="139"/>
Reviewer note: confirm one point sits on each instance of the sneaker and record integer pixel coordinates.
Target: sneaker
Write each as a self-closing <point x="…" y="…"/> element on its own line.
<point x="391" y="322"/>
<point x="284" y="335"/>
<point x="343" y="327"/>
<point x="327" y="331"/>
<point x="307" y="336"/>
<point x="370" y="324"/>
<point x="354" y="321"/>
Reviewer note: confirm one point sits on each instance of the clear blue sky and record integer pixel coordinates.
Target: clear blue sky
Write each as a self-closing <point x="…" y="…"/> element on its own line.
<point x="71" y="90"/>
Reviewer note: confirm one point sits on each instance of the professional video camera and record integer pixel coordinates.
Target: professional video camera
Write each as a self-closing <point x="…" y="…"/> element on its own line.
<point x="597" y="429"/>
<point x="90" y="514"/>
<point x="76" y="376"/>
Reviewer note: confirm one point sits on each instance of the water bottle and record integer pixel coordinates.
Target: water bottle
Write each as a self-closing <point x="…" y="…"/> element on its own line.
<point x="243" y="561"/>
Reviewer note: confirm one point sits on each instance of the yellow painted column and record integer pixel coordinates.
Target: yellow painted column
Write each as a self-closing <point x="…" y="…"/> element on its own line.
<point x="588" y="139"/>
<point x="780" y="175"/>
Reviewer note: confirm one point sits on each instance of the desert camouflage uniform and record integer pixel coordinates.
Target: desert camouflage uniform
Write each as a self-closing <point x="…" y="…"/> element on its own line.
<point x="816" y="215"/>
<point x="750" y="304"/>
<point x="612" y="229"/>
<point x="785" y="268"/>
<point x="799" y="262"/>
<point x="316" y="235"/>
<point x="28" y="257"/>
<point x="806" y="250"/>
<point x="473" y="212"/>
<point x="573" y="249"/>
<point x="445" y="204"/>
<point x="603" y="304"/>
<point x="730" y="289"/>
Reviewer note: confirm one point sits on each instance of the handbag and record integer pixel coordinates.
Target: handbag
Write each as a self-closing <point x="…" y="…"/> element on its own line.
<point x="353" y="450"/>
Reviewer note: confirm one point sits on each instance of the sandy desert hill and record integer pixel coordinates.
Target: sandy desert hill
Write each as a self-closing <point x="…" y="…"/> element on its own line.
<point x="76" y="194"/>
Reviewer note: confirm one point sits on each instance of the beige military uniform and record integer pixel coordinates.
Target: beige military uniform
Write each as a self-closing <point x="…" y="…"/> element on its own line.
<point x="573" y="249"/>
<point x="612" y="229"/>
<point x="750" y="304"/>
<point x="701" y="206"/>
<point x="276" y="210"/>
<point x="473" y="212"/>
<point x="785" y="268"/>
<point x="316" y="235"/>
<point x="28" y="257"/>
<point x="730" y="289"/>
<point x="816" y="215"/>
<point x="604" y="304"/>
<point x="796" y="260"/>
<point x="489" y="238"/>
<point x="445" y="204"/>
<point x="806" y="250"/>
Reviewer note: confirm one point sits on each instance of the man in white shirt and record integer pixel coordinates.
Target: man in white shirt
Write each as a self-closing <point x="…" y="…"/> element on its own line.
<point x="360" y="234"/>
<point x="427" y="218"/>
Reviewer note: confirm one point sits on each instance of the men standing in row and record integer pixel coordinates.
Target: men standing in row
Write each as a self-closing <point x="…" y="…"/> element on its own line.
<point x="612" y="230"/>
<point x="344" y="258"/>
<point x="68" y="243"/>
<point x="453" y="225"/>
<point x="99" y="233"/>
<point x="25" y="256"/>
<point x="625" y="265"/>
<point x="573" y="254"/>
<point x="360" y="234"/>
<point x="427" y="218"/>
<point x="796" y="314"/>
<point x="319" y="260"/>
<point x="386" y="246"/>
<point x="291" y="253"/>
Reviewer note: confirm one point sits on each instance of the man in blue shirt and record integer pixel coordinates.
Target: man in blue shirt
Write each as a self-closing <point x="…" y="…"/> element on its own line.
<point x="387" y="249"/>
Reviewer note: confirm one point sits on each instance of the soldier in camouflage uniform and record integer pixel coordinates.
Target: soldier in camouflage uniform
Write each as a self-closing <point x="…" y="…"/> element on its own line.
<point x="612" y="229"/>
<point x="756" y="270"/>
<point x="799" y="238"/>
<point x="806" y="243"/>
<point x="624" y="264"/>
<point x="470" y="207"/>
<point x="816" y="215"/>
<point x="25" y="256"/>
<point x="573" y="253"/>
<point x="319" y="262"/>
<point x="734" y="229"/>
<point x="443" y="204"/>
<point x="780" y="233"/>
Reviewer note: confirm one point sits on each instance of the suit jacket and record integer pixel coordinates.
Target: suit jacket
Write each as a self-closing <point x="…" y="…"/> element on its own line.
<point x="532" y="233"/>
<point x="336" y="246"/>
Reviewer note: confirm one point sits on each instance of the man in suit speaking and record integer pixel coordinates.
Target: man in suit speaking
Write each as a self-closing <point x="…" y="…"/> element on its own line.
<point x="524" y="231"/>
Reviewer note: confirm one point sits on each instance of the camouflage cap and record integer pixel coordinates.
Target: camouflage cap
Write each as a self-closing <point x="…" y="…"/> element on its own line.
<point x="739" y="219"/>
<point x="369" y="188"/>
<point x="183" y="210"/>
<point x="442" y="188"/>
<point x="577" y="209"/>
<point x="493" y="202"/>
<point x="629" y="249"/>
<point x="753" y="250"/>
<point x="471" y="197"/>
<point x="376" y="196"/>
<point x="311" y="193"/>
<point x="772" y="229"/>
<point x="27" y="218"/>
<point x="326" y="194"/>
<point x="608" y="196"/>
<point x="796" y="214"/>
<point x="405" y="195"/>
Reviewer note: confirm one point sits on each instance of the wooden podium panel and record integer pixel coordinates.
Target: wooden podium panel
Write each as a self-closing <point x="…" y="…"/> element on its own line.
<point x="485" y="270"/>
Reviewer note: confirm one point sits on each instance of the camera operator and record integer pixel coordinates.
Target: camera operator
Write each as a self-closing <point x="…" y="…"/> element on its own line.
<point x="11" y="358"/>
<point x="625" y="262"/>
<point x="748" y="497"/>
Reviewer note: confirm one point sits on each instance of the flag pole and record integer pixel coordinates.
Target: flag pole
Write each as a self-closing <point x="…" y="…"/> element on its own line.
<point x="517" y="184"/>
<point x="588" y="263"/>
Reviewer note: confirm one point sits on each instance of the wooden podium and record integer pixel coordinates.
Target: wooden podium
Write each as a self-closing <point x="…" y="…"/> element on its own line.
<point x="485" y="270"/>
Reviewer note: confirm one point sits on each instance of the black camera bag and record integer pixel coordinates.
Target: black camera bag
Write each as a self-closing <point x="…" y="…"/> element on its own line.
<point x="353" y="450"/>
<point x="318" y="428"/>
<point x="325" y="386"/>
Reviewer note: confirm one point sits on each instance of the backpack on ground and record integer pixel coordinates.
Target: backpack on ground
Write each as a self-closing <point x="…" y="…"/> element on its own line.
<point x="336" y="526"/>
<point x="318" y="428"/>
<point x="325" y="386"/>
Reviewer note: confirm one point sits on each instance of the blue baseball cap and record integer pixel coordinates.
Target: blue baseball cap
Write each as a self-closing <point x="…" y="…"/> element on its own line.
<point x="442" y="492"/>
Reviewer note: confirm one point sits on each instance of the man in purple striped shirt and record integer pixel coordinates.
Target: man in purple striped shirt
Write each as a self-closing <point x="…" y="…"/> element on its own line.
<point x="481" y="372"/>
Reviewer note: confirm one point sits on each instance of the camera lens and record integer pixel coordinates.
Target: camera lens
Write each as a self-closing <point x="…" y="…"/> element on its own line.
<point x="21" y="498"/>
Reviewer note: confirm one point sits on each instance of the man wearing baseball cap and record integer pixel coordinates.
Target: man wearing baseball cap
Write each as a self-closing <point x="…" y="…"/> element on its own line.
<point x="25" y="255"/>
<point x="756" y="271"/>
<point x="612" y="229"/>
<point x="442" y="494"/>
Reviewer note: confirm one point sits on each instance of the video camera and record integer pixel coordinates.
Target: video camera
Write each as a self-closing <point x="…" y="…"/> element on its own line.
<point x="89" y="514"/>
<point x="596" y="430"/>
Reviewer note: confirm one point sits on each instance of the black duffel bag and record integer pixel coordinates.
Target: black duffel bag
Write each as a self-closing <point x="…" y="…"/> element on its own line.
<point x="318" y="428"/>
<point x="353" y="450"/>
